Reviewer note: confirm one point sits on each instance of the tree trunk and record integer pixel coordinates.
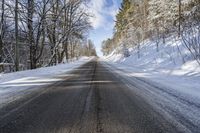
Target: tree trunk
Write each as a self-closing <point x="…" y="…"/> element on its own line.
<point x="157" y="39"/>
<point x="1" y="31"/>
<point x="138" y="50"/>
<point x="66" y="27"/>
<point x="71" y="50"/>
<point x="1" y="49"/>
<point x="16" y="37"/>
<point x="179" y="25"/>
<point x="66" y="50"/>
<point x="55" y="14"/>
<point x="33" y="61"/>
<point x="60" y="56"/>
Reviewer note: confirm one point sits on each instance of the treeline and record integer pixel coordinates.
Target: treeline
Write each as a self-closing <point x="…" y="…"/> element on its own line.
<point x="138" y="20"/>
<point x="36" y="33"/>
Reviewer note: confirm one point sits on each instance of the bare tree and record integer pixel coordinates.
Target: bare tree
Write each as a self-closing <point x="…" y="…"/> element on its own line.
<point x="46" y="32"/>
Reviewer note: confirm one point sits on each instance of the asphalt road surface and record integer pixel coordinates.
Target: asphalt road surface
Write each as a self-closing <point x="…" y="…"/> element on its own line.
<point x="91" y="100"/>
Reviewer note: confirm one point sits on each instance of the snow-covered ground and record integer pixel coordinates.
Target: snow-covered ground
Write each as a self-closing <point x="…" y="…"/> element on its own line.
<point x="16" y="85"/>
<point x="171" y="86"/>
<point x="165" y="67"/>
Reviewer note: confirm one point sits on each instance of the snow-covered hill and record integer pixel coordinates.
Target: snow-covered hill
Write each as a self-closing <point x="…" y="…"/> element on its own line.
<point x="172" y="65"/>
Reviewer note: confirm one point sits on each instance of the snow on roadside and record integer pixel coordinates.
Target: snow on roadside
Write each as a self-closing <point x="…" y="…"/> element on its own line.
<point x="164" y="67"/>
<point x="179" y="109"/>
<point x="163" y="79"/>
<point x="18" y="84"/>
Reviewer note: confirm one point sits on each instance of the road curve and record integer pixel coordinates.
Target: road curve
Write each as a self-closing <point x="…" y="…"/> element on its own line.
<point x="91" y="100"/>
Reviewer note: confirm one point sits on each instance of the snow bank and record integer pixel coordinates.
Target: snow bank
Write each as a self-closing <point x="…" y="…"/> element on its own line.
<point x="43" y="72"/>
<point x="172" y="65"/>
<point x="18" y="84"/>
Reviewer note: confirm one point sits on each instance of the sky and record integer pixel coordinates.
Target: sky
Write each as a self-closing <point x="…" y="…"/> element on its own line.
<point x="103" y="12"/>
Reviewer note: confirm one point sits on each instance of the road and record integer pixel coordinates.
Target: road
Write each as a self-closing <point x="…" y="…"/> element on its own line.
<point x="91" y="100"/>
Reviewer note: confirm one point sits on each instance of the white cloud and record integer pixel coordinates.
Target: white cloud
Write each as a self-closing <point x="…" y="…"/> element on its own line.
<point x="102" y="15"/>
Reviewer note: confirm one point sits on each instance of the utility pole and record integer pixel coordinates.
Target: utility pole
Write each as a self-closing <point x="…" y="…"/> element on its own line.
<point x="16" y="37"/>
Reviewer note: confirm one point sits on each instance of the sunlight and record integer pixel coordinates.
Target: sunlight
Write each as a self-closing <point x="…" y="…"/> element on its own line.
<point x="29" y="81"/>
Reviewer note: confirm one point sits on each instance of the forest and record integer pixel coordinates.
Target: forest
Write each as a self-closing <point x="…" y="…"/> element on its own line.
<point x="39" y="33"/>
<point x="156" y="20"/>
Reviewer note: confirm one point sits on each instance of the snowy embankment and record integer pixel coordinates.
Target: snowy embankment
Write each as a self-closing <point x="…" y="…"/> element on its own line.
<point x="168" y="84"/>
<point x="18" y="84"/>
<point x="164" y="67"/>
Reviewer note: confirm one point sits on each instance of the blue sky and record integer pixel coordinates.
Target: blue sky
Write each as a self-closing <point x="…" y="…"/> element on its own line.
<point x="103" y="12"/>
